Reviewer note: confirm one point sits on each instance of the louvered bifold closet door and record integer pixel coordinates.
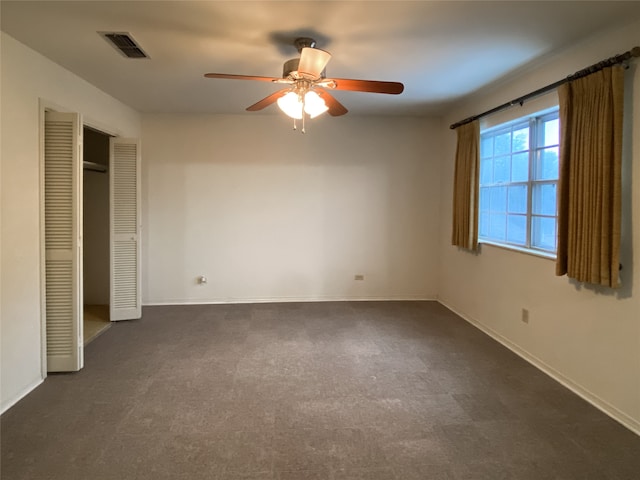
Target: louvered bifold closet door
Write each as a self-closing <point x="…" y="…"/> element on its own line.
<point x="62" y="217"/>
<point x="126" y="302"/>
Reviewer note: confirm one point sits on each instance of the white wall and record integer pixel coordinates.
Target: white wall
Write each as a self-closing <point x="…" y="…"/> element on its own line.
<point x="588" y="338"/>
<point x="268" y="214"/>
<point x="26" y="78"/>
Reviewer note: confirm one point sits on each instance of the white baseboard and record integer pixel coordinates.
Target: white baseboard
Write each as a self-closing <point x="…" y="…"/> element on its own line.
<point x="16" y="398"/>
<point x="576" y="388"/>
<point x="222" y="301"/>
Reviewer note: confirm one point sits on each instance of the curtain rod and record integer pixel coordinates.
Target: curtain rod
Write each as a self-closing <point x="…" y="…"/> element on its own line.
<point x="623" y="57"/>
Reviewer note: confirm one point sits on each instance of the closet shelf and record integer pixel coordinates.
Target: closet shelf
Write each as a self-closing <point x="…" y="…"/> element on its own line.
<point x="94" y="167"/>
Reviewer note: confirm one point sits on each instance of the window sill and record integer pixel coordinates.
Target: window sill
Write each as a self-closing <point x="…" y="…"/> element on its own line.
<point x="535" y="253"/>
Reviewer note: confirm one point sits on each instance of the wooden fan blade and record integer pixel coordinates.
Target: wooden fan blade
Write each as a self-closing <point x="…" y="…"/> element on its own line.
<point x="266" y="101"/>
<point x="240" y="77"/>
<point x="372" y="86"/>
<point x="335" y="107"/>
<point x="312" y="62"/>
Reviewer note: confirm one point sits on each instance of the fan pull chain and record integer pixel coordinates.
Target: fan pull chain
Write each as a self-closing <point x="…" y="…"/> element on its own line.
<point x="294" y="124"/>
<point x="303" y="115"/>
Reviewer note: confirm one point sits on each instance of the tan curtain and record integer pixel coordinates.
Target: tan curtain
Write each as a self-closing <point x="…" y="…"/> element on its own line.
<point x="465" y="187"/>
<point x="589" y="198"/>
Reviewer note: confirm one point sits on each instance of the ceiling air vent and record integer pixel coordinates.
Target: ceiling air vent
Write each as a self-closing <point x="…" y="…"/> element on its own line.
<point x="125" y="44"/>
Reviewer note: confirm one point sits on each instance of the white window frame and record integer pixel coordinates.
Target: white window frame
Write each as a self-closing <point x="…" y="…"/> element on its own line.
<point x="533" y="122"/>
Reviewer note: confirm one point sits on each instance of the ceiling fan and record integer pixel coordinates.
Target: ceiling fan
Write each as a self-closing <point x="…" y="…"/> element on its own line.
<point x="306" y="91"/>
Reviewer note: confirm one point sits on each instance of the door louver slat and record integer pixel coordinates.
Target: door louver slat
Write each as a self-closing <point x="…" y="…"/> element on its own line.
<point x="125" y="260"/>
<point x="59" y="307"/>
<point x="125" y="181"/>
<point x="126" y="275"/>
<point x="60" y="161"/>
<point x="58" y="150"/>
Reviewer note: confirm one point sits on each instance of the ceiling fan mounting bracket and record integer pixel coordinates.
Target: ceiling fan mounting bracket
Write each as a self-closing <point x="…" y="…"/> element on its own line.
<point x="303" y="42"/>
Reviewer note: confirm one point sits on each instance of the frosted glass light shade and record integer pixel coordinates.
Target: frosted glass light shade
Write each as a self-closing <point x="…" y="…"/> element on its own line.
<point x="312" y="62"/>
<point x="314" y="105"/>
<point x="291" y="105"/>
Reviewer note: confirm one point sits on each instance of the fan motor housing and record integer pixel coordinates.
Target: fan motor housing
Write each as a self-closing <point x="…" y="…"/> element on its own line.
<point x="290" y="66"/>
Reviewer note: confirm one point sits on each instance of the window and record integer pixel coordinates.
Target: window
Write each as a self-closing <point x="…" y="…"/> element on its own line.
<point x="518" y="183"/>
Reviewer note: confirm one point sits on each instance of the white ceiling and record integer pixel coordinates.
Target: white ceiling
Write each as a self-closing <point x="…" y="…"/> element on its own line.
<point x="441" y="51"/>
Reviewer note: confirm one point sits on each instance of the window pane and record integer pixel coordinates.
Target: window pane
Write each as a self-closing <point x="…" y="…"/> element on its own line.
<point x="518" y="182"/>
<point x="483" y="227"/>
<point x="502" y="169"/>
<point x="520" y="140"/>
<point x="486" y="171"/>
<point x="498" y="201"/>
<point x="486" y="146"/>
<point x="543" y="233"/>
<point x="520" y="167"/>
<point x="517" y="229"/>
<point x="551" y="131"/>
<point x="547" y="165"/>
<point x="484" y="199"/>
<point x="517" y="199"/>
<point x="497" y="226"/>
<point x="543" y="201"/>
<point x="503" y="144"/>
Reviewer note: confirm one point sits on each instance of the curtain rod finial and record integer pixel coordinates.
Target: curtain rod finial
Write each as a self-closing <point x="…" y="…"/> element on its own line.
<point x="635" y="51"/>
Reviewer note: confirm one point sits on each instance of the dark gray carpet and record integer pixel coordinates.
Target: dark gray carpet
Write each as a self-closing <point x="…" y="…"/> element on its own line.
<point x="365" y="390"/>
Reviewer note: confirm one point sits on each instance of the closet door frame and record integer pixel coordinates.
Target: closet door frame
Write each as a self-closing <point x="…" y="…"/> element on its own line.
<point x="45" y="105"/>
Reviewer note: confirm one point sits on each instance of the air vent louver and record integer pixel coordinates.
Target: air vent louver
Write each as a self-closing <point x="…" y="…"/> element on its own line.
<point x="125" y="44"/>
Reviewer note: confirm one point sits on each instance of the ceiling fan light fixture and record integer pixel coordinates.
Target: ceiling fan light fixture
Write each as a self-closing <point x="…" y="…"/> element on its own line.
<point x="306" y="77"/>
<point x="292" y="105"/>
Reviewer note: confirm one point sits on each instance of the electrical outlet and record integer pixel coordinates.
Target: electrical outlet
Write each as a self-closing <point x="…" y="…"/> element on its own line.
<point x="525" y="315"/>
<point x="359" y="277"/>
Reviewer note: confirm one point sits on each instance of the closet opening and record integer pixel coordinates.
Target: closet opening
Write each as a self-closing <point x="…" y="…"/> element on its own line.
<point x="96" y="234"/>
